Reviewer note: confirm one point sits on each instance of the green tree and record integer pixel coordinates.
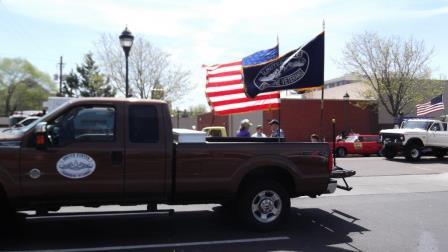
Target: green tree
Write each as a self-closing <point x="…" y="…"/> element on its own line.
<point x="197" y="110"/>
<point x="91" y="82"/>
<point x="70" y="86"/>
<point x="22" y="86"/>
<point x="397" y="70"/>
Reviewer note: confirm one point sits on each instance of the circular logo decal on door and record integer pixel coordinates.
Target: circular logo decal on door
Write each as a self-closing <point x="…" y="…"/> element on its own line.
<point x="76" y="165"/>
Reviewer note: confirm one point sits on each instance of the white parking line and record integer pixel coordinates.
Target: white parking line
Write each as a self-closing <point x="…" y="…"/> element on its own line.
<point x="171" y="245"/>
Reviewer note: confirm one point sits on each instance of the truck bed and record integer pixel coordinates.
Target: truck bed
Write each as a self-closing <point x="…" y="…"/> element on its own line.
<point x="217" y="168"/>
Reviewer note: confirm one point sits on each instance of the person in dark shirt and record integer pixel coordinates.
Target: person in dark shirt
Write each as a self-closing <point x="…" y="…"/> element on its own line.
<point x="244" y="128"/>
<point x="275" y="128"/>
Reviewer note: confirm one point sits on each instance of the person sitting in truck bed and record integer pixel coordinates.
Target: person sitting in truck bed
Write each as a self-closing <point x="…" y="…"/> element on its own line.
<point x="244" y="128"/>
<point x="275" y="127"/>
<point x="259" y="132"/>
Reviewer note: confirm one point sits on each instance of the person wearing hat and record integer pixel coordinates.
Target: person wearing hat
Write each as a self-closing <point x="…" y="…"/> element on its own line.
<point x="259" y="132"/>
<point x="244" y="128"/>
<point x="275" y="128"/>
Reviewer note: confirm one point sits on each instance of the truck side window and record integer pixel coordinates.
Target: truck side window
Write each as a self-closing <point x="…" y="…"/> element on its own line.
<point x="435" y="127"/>
<point x="143" y="124"/>
<point x="83" y="124"/>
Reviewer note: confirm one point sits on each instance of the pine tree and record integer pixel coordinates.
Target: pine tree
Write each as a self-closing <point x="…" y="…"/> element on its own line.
<point x="91" y="82"/>
<point x="70" y="87"/>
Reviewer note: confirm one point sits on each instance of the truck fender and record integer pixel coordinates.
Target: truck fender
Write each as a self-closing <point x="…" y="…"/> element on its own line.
<point x="8" y="185"/>
<point x="415" y="140"/>
<point x="270" y="163"/>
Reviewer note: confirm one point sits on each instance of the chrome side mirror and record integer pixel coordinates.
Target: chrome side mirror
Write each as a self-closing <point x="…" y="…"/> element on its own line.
<point x="41" y="128"/>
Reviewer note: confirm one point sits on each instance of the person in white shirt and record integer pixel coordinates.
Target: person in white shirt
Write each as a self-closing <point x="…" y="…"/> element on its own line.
<point x="259" y="132"/>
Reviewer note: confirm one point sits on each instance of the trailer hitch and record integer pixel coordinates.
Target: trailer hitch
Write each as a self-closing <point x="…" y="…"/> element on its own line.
<point x="342" y="173"/>
<point x="346" y="187"/>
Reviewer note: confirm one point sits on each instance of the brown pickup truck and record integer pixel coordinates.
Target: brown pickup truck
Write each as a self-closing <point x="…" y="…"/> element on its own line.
<point x="95" y="151"/>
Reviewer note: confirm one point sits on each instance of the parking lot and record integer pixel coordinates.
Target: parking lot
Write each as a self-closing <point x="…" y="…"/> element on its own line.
<point x="394" y="206"/>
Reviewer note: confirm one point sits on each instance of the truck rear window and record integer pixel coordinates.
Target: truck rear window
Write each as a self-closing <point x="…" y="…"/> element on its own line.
<point x="143" y="124"/>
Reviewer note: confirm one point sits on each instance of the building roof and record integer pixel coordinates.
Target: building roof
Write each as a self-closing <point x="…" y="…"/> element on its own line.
<point x="356" y="91"/>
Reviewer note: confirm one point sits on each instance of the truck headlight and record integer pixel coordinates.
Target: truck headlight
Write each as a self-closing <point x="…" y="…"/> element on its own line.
<point x="402" y="138"/>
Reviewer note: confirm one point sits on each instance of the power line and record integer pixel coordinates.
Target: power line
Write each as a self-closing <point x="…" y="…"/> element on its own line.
<point x="61" y="65"/>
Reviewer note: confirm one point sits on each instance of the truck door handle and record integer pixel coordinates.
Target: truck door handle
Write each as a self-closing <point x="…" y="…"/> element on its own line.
<point x="117" y="157"/>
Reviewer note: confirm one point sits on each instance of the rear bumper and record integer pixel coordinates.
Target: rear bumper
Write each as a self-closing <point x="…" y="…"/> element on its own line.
<point x="331" y="187"/>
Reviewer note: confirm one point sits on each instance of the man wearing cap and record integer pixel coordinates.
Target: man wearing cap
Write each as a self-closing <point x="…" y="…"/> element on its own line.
<point x="275" y="128"/>
<point x="244" y="128"/>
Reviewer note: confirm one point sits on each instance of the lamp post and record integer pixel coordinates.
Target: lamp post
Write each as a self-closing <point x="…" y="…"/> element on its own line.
<point x="126" y="40"/>
<point x="346" y="98"/>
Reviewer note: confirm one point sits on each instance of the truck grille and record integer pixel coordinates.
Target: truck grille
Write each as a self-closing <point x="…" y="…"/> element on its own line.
<point x="391" y="138"/>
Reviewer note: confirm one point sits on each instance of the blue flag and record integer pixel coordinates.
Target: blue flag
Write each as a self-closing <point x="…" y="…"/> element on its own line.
<point x="299" y="69"/>
<point x="260" y="56"/>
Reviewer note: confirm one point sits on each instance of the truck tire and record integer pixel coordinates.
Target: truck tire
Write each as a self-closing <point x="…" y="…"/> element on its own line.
<point x="380" y="153"/>
<point x="341" y="152"/>
<point x="388" y="152"/>
<point x="440" y="154"/>
<point x="9" y="219"/>
<point x="412" y="152"/>
<point x="263" y="205"/>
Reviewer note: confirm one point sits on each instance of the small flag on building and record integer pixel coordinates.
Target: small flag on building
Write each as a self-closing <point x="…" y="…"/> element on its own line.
<point x="299" y="69"/>
<point x="435" y="104"/>
<point x="225" y="89"/>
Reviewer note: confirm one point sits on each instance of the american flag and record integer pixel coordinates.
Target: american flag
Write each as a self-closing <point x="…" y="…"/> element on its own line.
<point x="435" y="104"/>
<point x="225" y="87"/>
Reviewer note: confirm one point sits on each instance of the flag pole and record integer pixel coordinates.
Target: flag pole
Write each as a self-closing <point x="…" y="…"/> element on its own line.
<point x="323" y="88"/>
<point x="280" y="97"/>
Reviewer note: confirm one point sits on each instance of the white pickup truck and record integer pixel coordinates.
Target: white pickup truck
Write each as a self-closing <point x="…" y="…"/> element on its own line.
<point x="416" y="137"/>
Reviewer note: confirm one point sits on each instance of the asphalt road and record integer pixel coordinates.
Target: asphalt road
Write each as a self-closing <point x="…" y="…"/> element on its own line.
<point x="394" y="206"/>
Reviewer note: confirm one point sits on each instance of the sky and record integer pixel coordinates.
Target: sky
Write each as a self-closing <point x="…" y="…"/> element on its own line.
<point x="198" y="32"/>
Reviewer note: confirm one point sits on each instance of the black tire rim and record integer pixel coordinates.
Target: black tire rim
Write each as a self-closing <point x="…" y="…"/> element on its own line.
<point x="414" y="153"/>
<point x="341" y="152"/>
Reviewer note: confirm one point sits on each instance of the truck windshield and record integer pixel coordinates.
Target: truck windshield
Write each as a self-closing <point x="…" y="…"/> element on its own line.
<point x="424" y="125"/>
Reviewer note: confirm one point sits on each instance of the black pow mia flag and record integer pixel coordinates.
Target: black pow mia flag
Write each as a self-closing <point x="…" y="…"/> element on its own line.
<point x="302" y="68"/>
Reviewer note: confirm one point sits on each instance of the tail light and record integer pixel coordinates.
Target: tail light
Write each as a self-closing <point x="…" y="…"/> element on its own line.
<point x="330" y="161"/>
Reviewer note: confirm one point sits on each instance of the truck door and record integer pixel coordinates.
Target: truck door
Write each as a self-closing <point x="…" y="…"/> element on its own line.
<point x="146" y="151"/>
<point x="83" y="159"/>
<point x="434" y="134"/>
<point x="437" y="136"/>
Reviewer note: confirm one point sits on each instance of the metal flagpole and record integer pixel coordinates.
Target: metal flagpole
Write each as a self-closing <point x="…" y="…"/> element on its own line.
<point x="280" y="97"/>
<point x="323" y="88"/>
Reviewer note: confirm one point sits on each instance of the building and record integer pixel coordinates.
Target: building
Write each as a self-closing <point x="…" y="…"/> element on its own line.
<point x="299" y="114"/>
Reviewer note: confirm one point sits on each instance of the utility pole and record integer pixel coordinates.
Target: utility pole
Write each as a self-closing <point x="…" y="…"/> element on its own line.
<point x="61" y="65"/>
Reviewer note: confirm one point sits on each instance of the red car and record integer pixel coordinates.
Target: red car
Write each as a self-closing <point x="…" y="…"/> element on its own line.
<point x="359" y="144"/>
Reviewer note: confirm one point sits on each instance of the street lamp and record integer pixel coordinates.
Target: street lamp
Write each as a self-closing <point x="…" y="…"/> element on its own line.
<point x="346" y="97"/>
<point x="126" y="40"/>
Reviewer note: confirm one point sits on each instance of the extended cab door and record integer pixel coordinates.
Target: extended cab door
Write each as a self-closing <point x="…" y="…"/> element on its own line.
<point x="147" y="151"/>
<point x="83" y="159"/>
